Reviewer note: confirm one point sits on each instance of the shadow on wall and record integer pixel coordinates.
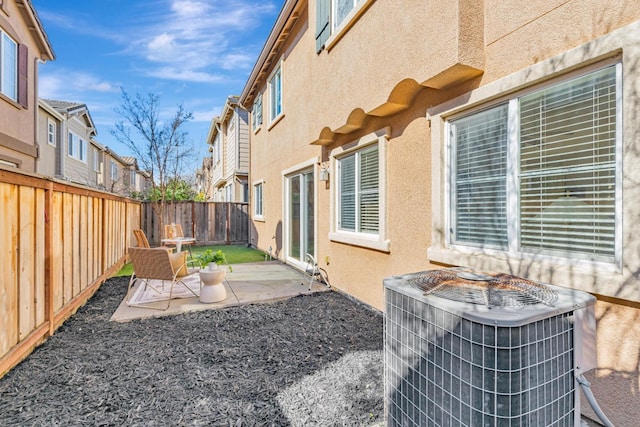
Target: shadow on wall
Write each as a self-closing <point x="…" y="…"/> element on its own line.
<point x="277" y="240"/>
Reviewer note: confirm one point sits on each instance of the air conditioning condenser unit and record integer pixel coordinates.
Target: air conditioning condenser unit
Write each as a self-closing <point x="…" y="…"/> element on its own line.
<point x="464" y="348"/>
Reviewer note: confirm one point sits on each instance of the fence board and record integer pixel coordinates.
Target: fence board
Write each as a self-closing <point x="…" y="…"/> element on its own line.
<point x="56" y="218"/>
<point x="58" y="243"/>
<point x="26" y="276"/>
<point x="40" y="258"/>
<point x="8" y="273"/>
<point x="209" y="223"/>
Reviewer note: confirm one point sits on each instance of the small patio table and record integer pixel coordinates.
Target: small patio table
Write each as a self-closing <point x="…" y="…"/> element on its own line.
<point x="179" y="241"/>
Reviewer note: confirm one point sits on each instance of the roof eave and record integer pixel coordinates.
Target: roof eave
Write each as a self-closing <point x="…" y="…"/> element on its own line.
<point x="283" y="17"/>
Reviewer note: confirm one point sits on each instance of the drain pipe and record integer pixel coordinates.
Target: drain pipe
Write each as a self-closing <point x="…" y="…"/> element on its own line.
<point x="586" y="388"/>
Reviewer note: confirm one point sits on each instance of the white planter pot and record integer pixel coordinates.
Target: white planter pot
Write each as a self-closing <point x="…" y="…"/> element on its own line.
<point x="212" y="289"/>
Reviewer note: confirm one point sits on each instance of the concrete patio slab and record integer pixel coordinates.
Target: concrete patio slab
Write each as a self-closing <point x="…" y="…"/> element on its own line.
<point x="248" y="284"/>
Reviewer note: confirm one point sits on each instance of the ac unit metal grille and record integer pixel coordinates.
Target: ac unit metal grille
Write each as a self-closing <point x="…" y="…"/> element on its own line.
<point x="489" y="289"/>
<point x="442" y="369"/>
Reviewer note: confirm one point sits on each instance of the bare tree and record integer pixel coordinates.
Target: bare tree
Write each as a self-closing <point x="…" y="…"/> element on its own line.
<point x="160" y="146"/>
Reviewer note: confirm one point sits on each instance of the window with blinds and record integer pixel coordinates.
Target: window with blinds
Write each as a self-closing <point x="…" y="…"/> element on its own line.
<point x="565" y="173"/>
<point x="480" y="171"/>
<point x="358" y="187"/>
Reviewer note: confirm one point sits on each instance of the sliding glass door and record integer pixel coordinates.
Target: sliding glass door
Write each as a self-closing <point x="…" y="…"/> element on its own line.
<point x="300" y="218"/>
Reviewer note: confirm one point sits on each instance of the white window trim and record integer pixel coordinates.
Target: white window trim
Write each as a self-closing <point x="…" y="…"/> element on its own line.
<point x="352" y="17"/>
<point x="52" y="135"/>
<point x="275" y="120"/>
<point x="3" y="91"/>
<point x="380" y="241"/>
<point x="255" y="216"/>
<point x="591" y="276"/>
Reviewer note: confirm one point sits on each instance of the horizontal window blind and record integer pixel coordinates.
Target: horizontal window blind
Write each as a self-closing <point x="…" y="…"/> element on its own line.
<point x="369" y="193"/>
<point x="480" y="178"/>
<point x="359" y="192"/>
<point x="347" y="215"/>
<point x="567" y="166"/>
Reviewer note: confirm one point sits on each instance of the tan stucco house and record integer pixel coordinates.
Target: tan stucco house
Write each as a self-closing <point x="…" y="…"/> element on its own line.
<point x="228" y="141"/>
<point x="23" y="43"/>
<point x="500" y="136"/>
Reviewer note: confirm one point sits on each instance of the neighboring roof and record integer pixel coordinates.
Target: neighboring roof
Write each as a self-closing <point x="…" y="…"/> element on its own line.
<point x="49" y="109"/>
<point x="31" y="16"/>
<point x="229" y="106"/>
<point x="214" y="128"/>
<point x="285" y="21"/>
<point x="129" y="160"/>
<point x="68" y="107"/>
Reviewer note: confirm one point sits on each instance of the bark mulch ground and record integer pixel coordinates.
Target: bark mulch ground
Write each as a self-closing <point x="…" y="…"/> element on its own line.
<point x="310" y="360"/>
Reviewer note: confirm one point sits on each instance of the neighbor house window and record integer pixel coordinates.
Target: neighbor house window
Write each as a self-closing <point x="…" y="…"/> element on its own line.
<point x="132" y="178"/>
<point x="538" y="173"/>
<point x="257" y="200"/>
<point x="77" y="147"/>
<point x="96" y="160"/>
<point x="359" y="194"/>
<point x="216" y="148"/>
<point x="114" y="171"/>
<point x="257" y="112"/>
<point x="51" y="132"/>
<point x="275" y="94"/>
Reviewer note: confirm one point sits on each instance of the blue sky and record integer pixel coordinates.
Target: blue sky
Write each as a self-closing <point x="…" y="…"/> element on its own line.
<point x="194" y="52"/>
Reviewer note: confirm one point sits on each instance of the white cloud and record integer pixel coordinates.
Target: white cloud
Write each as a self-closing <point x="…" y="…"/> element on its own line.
<point x="171" y="73"/>
<point x="195" y="37"/>
<point x="72" y="85"/>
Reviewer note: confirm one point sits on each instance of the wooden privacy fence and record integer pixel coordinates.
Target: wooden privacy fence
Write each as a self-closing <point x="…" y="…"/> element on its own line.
<point x="211" y="223"/>
<point x="58" y="243"/>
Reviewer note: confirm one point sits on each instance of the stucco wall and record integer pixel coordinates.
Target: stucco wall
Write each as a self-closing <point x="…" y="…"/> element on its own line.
<point x="18" y="124"/>
<point x="419" y="41"/>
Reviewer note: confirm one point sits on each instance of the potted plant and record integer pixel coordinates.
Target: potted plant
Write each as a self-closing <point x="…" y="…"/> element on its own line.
<point x="211" y="259"/>
<point x="212" y="289"/>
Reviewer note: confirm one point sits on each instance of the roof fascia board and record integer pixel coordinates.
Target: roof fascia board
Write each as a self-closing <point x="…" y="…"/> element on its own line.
<point x="274" y="35"/>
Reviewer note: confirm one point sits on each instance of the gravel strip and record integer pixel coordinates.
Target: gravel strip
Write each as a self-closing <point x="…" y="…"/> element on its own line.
<point x="310" y="360"/>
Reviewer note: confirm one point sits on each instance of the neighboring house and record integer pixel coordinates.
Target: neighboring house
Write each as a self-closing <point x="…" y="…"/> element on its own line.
<point x="493" y="135"/>
<point x="117" y="173"/>
<point x="23" y="43"/>
<point x="76" y="158"/>
<point x="229" y="141"/>
<point x="134" y="180"/>
<point x="51" y="141"/>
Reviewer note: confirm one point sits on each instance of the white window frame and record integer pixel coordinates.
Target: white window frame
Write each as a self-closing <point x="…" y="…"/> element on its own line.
<point x="276" y="102"/>
<point x="378" y="241"/>
<point x="8" y="89"/>
<point x="591" y="276"/>
<point x="513" y="192"/>
<point x="51" y="133"/>
<point x="258" y="200"/>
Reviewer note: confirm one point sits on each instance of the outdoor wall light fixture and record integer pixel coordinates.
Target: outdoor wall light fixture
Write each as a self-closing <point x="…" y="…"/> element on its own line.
<point x="324" y="173"/>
